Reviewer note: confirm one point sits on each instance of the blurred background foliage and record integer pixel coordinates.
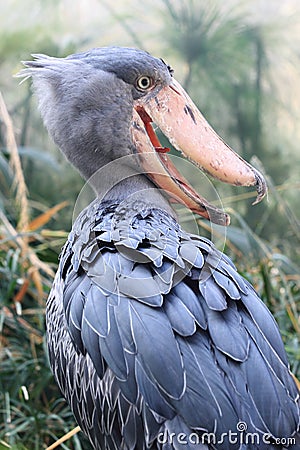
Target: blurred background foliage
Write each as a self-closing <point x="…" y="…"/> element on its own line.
<point x="240" y="63"/>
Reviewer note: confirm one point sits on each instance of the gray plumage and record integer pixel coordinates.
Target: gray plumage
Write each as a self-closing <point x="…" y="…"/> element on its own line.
<point x="151" y="330"/>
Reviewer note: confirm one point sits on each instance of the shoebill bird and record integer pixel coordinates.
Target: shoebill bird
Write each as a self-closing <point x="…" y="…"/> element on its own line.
<point x="154" y="339"/>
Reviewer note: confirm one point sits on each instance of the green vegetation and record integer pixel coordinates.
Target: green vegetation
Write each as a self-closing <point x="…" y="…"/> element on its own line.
<point x="232" y="65"/>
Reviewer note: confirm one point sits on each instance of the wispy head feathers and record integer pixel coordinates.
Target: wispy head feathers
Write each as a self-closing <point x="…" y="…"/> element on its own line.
<point x="42" y="64"/>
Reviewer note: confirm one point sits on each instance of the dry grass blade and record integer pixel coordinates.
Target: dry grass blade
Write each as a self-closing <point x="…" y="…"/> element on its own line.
<point x="36" y="335"/>
<point x="19" y="181"/>
<point x="22" y="291"/>
<point x="296" y="381"/>
<point x="294" y="318"/>
<point x="35" y="263"/>
<point x="229" y="244"/>
<point x="64" y="438"/>
<point x="44" y="218"/>
<point x="34" y="260"/>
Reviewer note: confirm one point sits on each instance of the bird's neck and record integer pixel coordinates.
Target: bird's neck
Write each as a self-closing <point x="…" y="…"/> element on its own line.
<point x="114" y="176"/>
<point x="123" y="183"/>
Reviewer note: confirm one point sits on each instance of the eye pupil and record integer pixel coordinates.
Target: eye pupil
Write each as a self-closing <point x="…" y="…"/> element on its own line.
<point x="144" y="82"/>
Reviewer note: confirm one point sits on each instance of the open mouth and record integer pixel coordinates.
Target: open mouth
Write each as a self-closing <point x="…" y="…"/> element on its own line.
<point x="187" y="130"/>
<point x="164" y="174"/>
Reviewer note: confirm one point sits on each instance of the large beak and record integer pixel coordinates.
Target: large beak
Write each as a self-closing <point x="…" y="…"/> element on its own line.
<point x="179" y="119"/>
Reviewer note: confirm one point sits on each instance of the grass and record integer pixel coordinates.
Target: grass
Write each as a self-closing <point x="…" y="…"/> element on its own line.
<point x="32" y="411"/>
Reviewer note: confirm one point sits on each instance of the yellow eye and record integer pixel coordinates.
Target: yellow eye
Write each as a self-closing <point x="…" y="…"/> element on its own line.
<point x="144" y="82"/>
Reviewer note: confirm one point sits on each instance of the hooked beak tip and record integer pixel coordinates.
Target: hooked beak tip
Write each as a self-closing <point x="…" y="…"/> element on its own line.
<point x="261" y="187"/>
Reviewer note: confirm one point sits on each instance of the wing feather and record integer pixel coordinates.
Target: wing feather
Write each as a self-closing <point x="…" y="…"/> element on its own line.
<point x="228" y="332"/>
<point x="156" y="344"/>
<point x="179" y="316"/>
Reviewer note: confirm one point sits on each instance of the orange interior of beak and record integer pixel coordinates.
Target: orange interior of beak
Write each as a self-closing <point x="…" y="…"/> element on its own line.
<point x="197" y="204"/>
<point x="162" y="150"/>
<point x="151" y="133"/>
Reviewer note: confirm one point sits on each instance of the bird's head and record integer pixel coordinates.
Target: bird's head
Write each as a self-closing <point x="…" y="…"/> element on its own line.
<point x="99" y="106"/>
